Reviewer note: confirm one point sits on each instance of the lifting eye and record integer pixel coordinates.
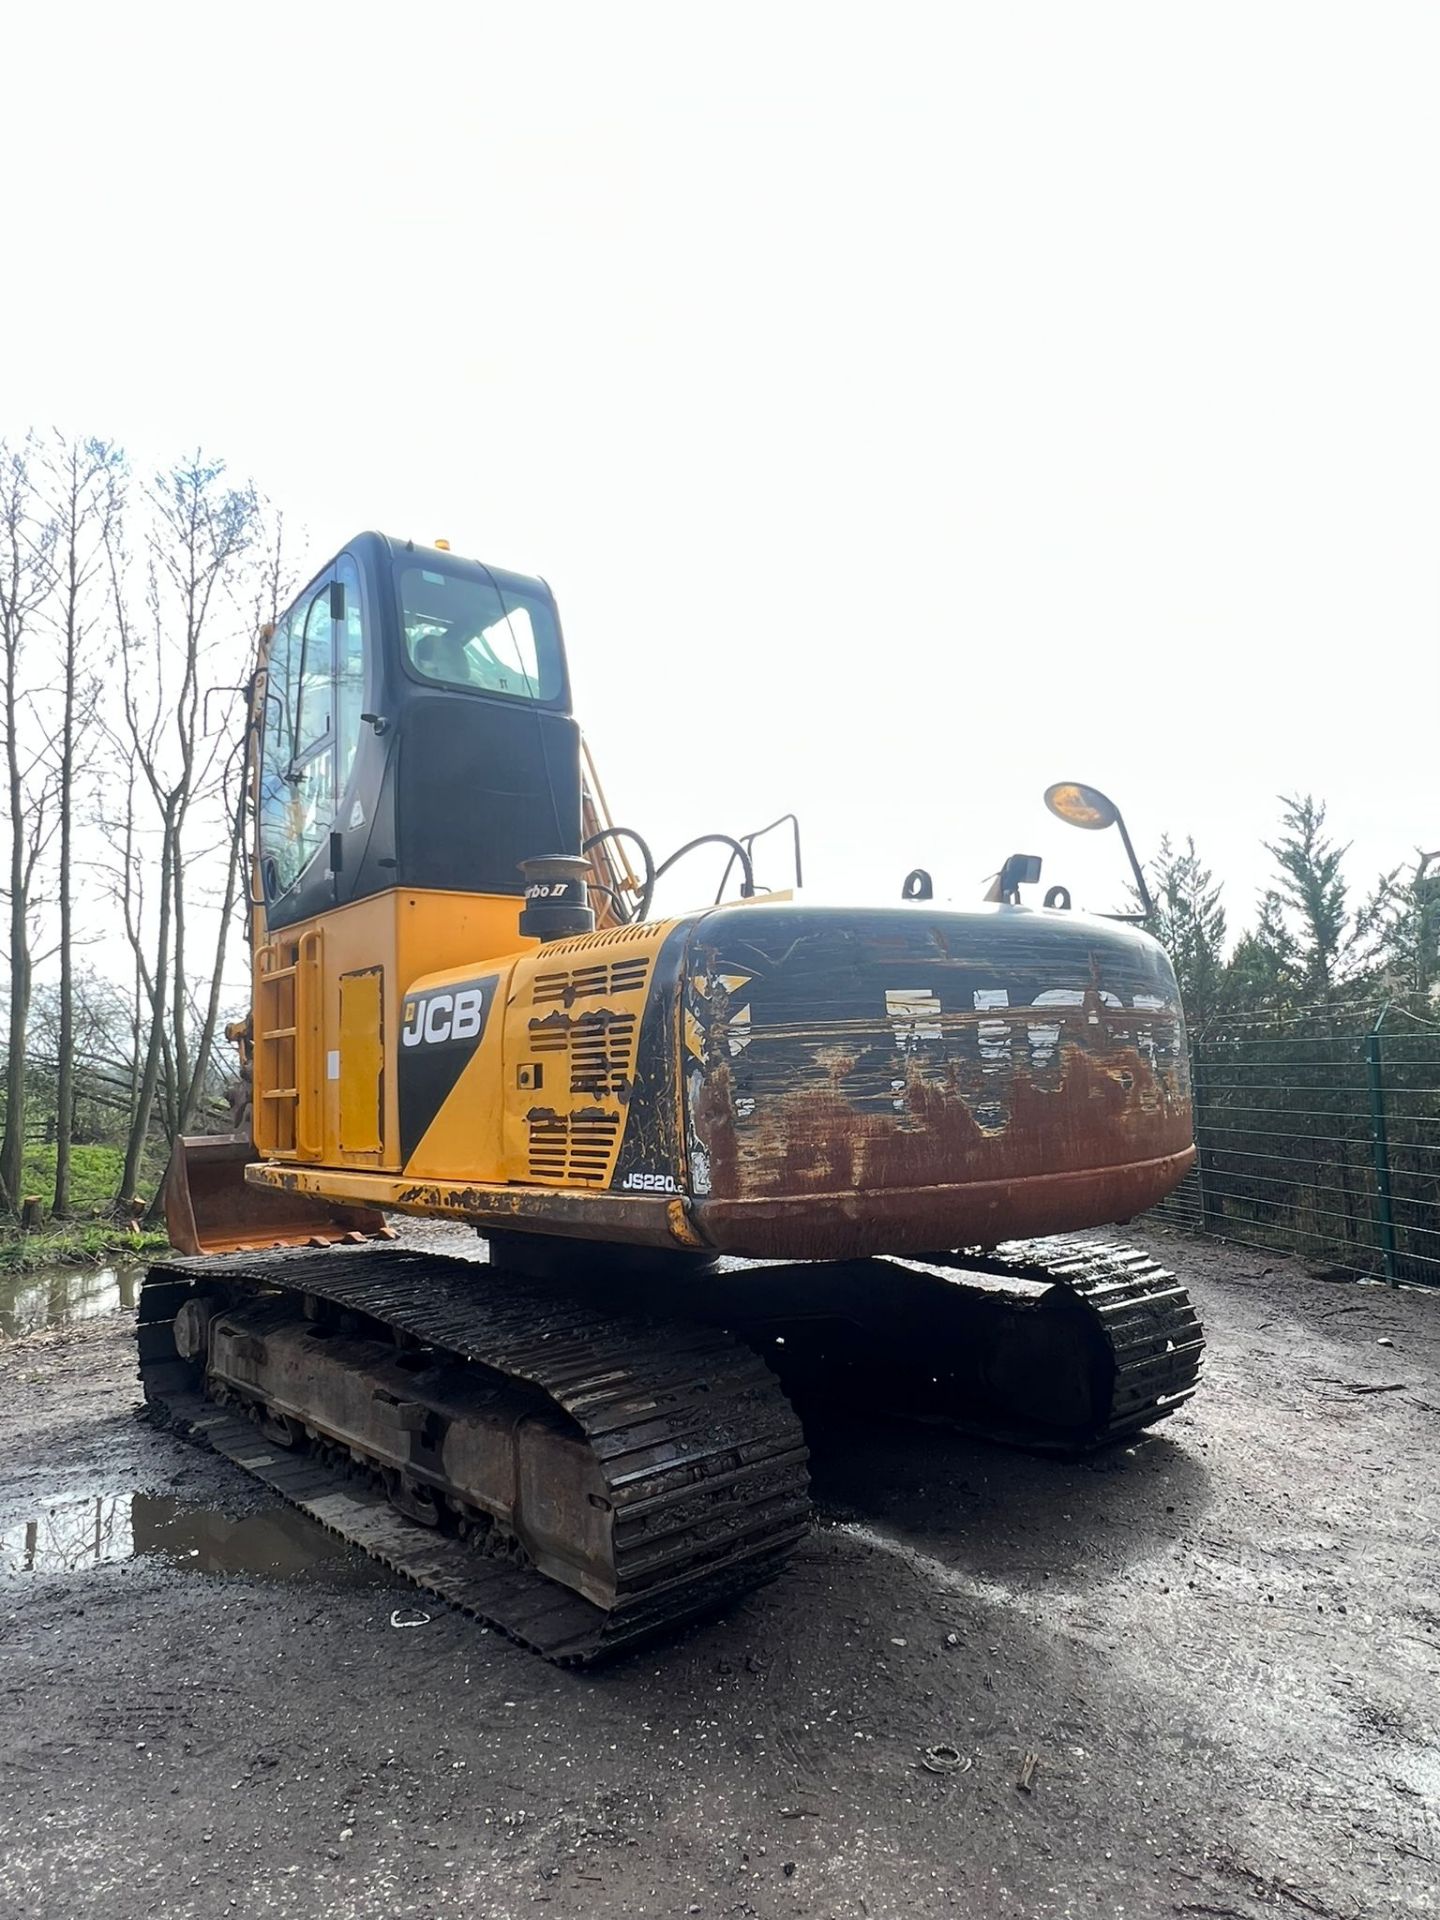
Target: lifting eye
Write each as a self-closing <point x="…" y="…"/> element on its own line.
<point x="1058" y="897"/>
<point x="917" y="885"/>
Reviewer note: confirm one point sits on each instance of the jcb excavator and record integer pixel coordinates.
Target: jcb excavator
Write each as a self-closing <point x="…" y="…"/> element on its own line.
<point x="760" y="1151"/>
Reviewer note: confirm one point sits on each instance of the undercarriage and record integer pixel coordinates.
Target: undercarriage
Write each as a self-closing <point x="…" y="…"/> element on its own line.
<point x="584" y="1467"/>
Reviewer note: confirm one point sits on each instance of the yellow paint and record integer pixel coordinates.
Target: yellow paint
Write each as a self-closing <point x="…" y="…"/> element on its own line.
<point x="407" y="933"/>
<point x="694" y="1038"/>
<point x="572" y="1024"/>
<point x="277" y="1047"/>
<point x="678" y="1215"/>
<point x="628" y="1219"/>
<point x="361" y="1061"/>
<point x="543" y="1100"/>
<point x="465" y="1139"/>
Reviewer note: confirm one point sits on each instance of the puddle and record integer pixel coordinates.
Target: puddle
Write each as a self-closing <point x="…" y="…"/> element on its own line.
<point x="30" y="1302"/>
<point x="71" y="1536"/>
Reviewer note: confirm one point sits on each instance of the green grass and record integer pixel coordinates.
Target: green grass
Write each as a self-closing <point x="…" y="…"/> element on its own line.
<point x="91" y="1236"/>
<point x="94" y="1176"/>
<point x="78" y="1244"/>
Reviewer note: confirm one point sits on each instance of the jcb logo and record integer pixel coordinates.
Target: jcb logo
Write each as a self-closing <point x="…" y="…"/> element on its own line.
<point x="448" y="1016"/>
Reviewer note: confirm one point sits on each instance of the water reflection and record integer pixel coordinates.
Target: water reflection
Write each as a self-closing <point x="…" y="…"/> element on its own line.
<point x="73" y="1535"/>
<point x="30" y="1302"/>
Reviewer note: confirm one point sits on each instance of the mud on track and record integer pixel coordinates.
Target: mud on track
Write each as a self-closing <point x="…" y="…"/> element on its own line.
<point x="1223" y="1645"/>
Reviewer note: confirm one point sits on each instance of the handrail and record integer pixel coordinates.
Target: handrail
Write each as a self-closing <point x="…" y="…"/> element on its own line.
<point x="309" y="1045"/>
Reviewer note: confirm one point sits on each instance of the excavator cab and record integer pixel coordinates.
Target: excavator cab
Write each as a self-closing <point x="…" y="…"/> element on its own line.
<point x="410" y="727"/>
<point x="414" y="731"/>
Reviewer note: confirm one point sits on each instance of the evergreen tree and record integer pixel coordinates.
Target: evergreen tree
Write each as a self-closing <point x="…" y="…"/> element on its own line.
<point x="1189" y="923"/>
<point x="1402" y="924"/>
<point x="1265" y="970"/>
<point x="1312" y="892"/>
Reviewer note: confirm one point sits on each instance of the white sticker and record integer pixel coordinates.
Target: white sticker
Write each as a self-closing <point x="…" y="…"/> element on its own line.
<point x="357" y="816"/>
<point x="914" y="1013"/>
<point x="993" y="1035"/>
<point x="332" y="1064"/>
<point x="1045" y="1039"/>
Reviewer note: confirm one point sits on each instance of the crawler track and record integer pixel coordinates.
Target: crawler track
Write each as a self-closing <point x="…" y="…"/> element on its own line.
<point x="702" y="1457"/>
<point x="1146" y="1335"/>
<point x="1055" y="1345"/>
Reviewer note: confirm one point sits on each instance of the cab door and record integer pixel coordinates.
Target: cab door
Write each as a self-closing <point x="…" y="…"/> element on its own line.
<point x="297" y="809"/>
<point x="298" y="762"/>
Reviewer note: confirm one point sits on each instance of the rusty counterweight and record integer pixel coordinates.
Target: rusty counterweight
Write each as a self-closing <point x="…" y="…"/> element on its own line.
<point x="923" y="1081"/>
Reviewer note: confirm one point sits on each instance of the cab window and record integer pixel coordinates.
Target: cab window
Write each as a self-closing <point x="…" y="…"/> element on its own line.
<point x="298" y="762"/>
<point x="316" y="670"/>
<point x="349" y="670"/>
<point x="476" y="633"/>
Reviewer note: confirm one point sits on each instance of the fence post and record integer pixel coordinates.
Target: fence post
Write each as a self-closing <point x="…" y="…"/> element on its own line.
<point x="1380" y="1147"/>
<point x="1209" y="1201"/>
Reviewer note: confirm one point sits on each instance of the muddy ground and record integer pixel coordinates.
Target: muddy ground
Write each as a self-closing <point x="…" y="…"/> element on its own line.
<point x="1223" y="1645"/>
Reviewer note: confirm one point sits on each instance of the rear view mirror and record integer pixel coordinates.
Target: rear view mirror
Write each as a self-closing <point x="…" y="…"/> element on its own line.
<point x="1081" y="806"/>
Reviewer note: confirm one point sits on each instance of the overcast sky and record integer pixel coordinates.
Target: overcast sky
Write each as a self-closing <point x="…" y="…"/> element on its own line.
<point x="910" y="405"/>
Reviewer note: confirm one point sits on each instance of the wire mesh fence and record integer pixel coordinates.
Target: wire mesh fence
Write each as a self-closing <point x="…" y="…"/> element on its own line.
<point x="1319" y="1133"/>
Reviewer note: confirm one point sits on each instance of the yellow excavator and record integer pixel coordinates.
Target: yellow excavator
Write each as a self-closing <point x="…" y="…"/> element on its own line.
<point x="725" y="1164"/>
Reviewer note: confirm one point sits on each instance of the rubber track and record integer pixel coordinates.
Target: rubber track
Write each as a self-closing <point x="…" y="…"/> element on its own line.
<point x="1142" y="1313"/>
<point x="703" y="1458"/>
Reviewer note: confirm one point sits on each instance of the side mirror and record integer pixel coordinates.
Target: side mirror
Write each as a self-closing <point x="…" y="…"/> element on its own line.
<point x="1082" y="806"/>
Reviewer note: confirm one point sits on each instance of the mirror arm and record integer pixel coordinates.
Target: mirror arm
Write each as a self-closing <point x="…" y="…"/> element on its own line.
<point x="1146" y="903"/>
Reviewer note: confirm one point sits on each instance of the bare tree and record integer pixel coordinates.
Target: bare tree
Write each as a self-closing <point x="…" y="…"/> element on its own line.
<point x="102" y="1050"/>
<point x="86" y="480"/>
<point x="271" y="580"/>
<point x="180" y="665"/>
<point x="27" y="576"/>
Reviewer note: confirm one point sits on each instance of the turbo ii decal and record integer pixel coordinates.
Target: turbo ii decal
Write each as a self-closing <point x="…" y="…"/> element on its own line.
<point x="440" y="1028"/>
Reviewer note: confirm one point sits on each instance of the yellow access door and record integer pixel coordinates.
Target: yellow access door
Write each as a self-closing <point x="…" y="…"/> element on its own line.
<point x="360" y="1063"/>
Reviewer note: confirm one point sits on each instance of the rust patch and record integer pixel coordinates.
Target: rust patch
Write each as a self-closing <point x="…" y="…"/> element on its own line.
<point x="939" y="1122"/>
<point x="911" y="1122"/>
<point x="714" y="1119"/>
<point x="917" y="1220"/>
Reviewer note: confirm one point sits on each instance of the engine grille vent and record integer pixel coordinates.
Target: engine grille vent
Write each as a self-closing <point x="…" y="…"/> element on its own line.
<point x="573" y="1149"/>
<point x="602" y="1056"/>
<point x="601" y="1047"/>
<point x="582" y="1033"/>
<point x="592" y="942"/>
<point x="591" y="983"/>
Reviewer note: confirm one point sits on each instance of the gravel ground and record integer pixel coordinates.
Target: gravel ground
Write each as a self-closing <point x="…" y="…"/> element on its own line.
<point x="1221" y="1646"/>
